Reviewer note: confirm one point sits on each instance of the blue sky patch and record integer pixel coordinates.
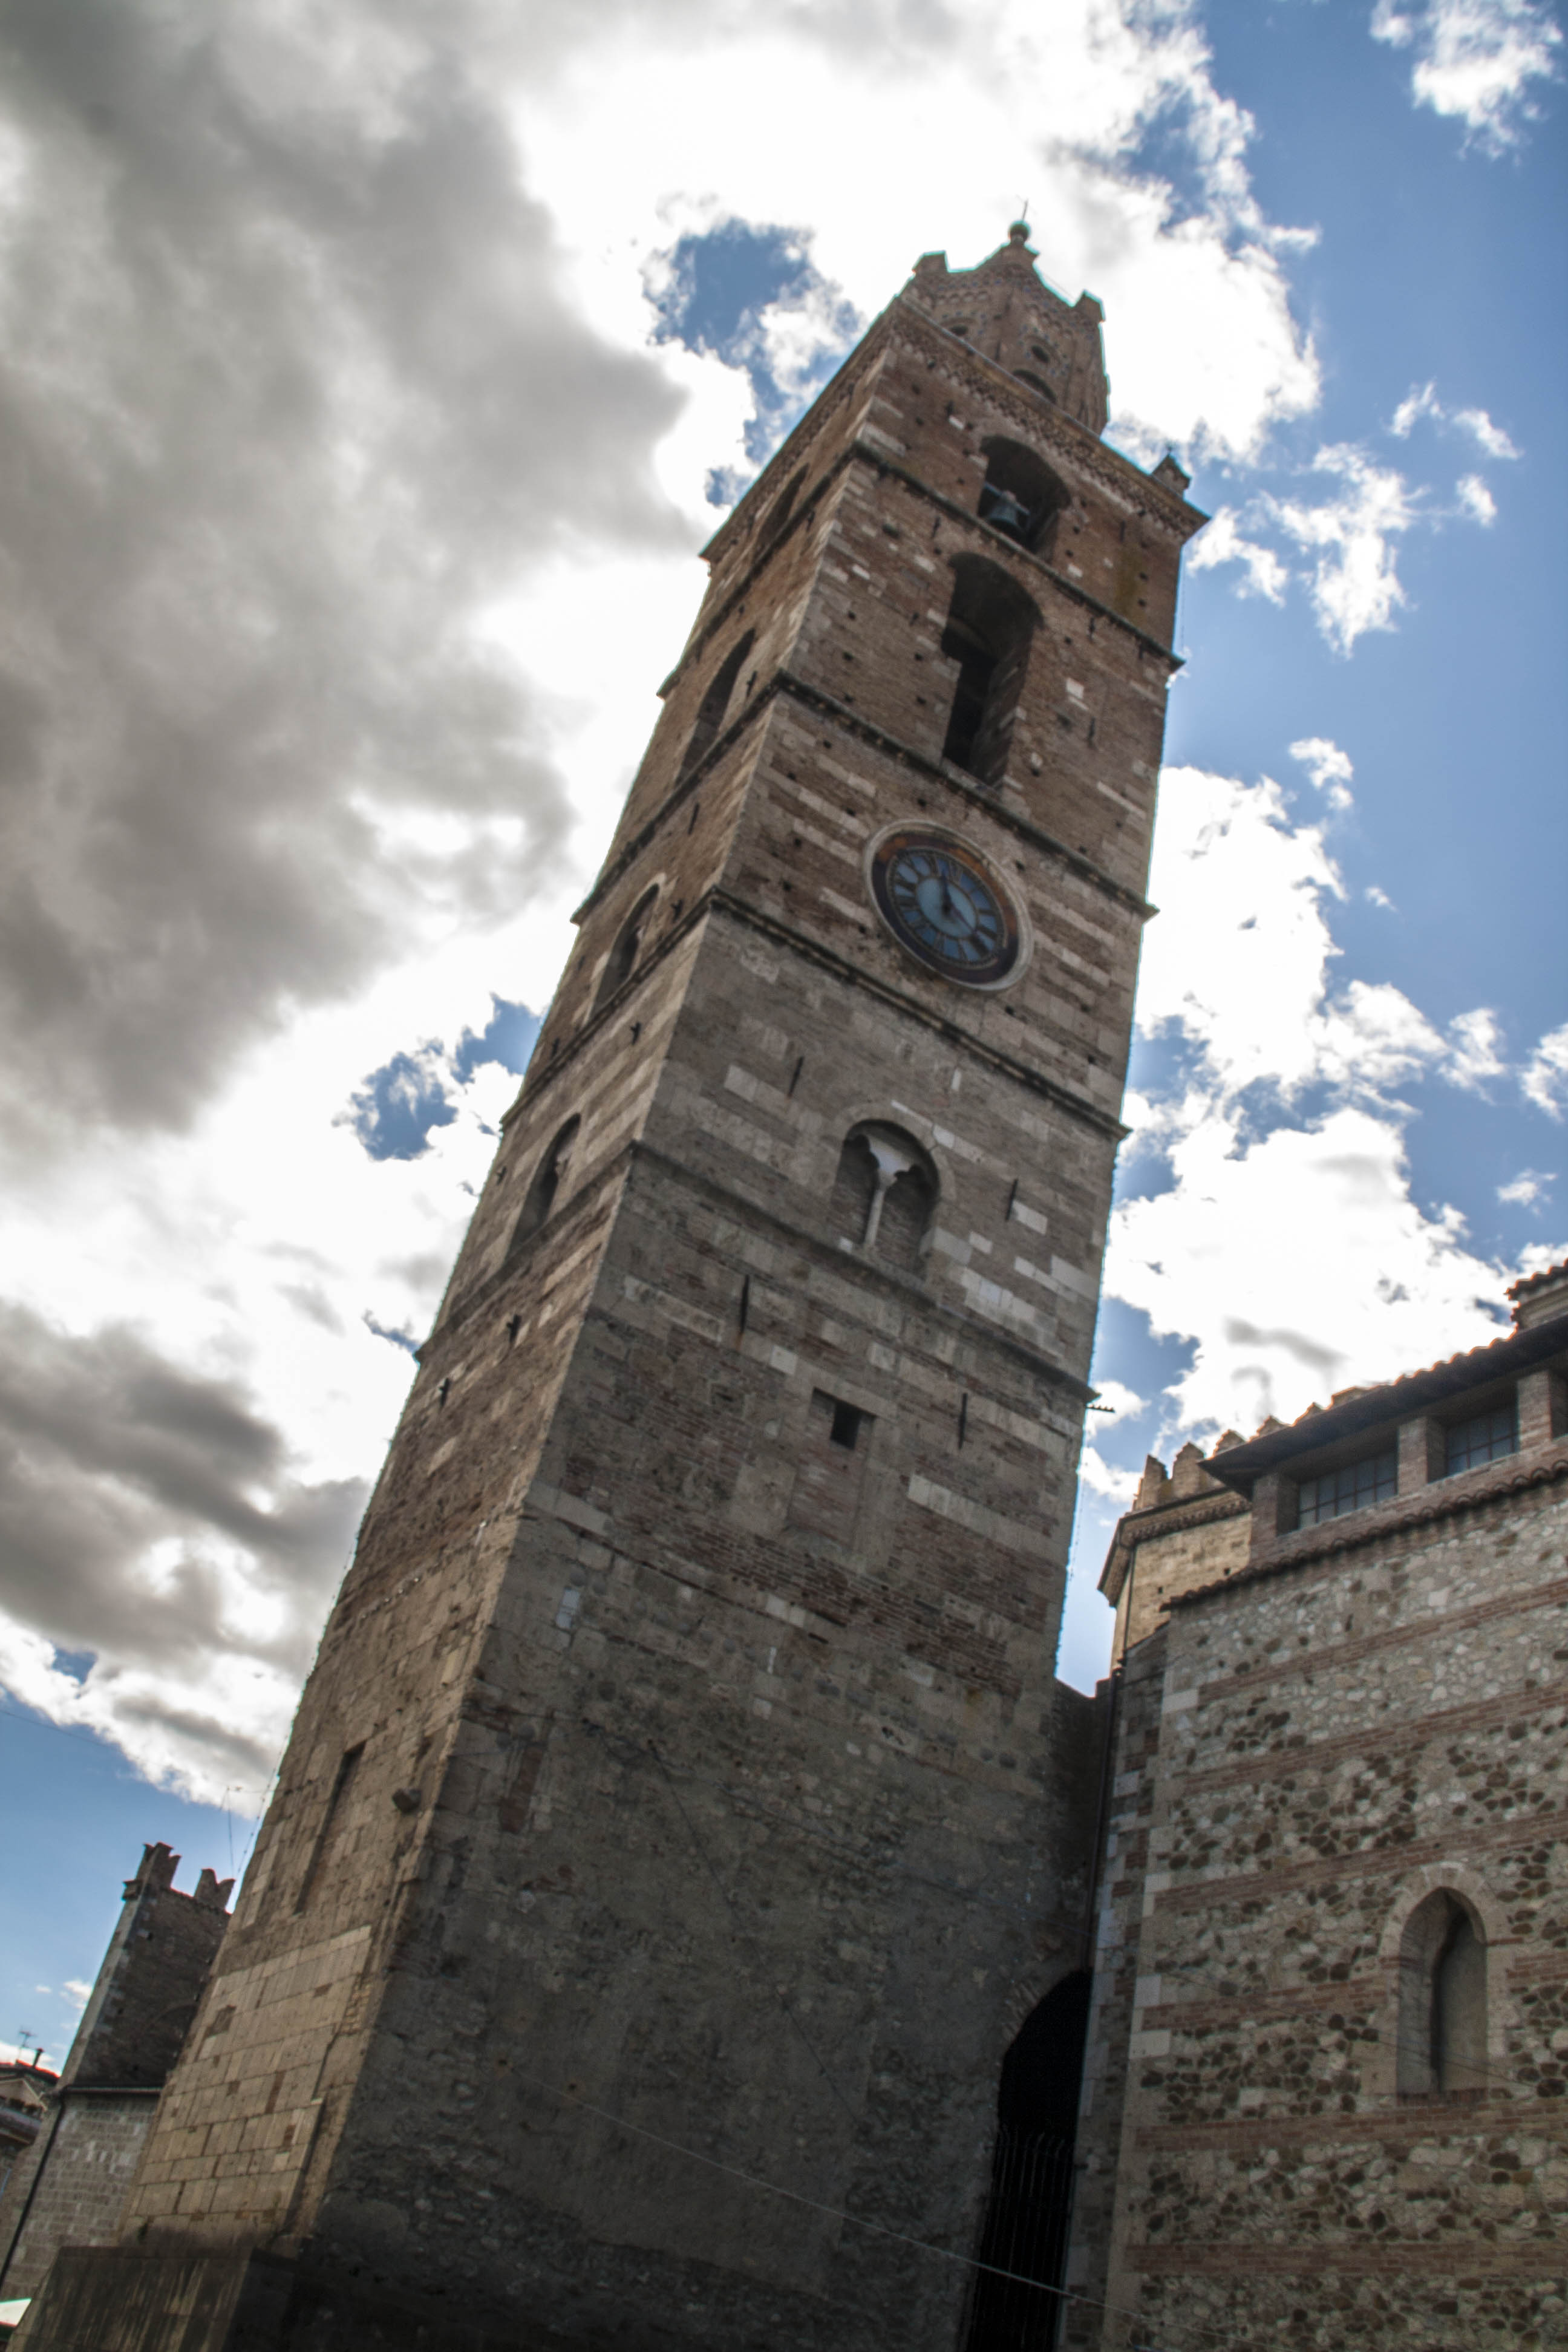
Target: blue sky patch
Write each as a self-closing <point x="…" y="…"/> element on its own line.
<point x="395" y="1110"/>
<point x="712" y="292"/>
<point x="509" y="1038"/>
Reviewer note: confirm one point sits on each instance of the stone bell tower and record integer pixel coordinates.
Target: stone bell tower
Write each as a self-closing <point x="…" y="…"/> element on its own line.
<point x="682" y="1815"/>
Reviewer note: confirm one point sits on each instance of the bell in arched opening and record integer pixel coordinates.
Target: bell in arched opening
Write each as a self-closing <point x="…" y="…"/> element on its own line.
<point x="1021" y="495"/>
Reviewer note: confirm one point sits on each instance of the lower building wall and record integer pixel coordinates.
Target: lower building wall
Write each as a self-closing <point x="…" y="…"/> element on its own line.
<point x="1137" y="1692"/>
<point x="1312" y="1763"/>
<point x="70" y="2187"/>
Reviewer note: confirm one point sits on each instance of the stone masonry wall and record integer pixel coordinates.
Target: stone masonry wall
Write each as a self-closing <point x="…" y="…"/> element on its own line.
<point x="1337" y="1739"/>
<point x="86" y="2166"/>
<point x="674" y="1847"/>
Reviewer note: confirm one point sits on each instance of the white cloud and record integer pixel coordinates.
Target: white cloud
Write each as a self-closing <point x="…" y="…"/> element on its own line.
<point x="1241" y="958"/>
<point x="1263" y="572"/>
<point x="1328" y="767"/>
<point x="77" y="1991"/>
<point x="1473" y="1056"/>
<point x="1422" y="400"/>
<point x="1493" y="441"/>
<point x="1475" y="61"/>
<point x="1294" y="1265"/>
<point x="1530" y="1186"/>
<point x="1352" y="539"/>
<point x="1545" y="1076"/>
<point x="1287" y="1252"/>
<point x="1475" y="499"/>
<point x="1103" y="1477"/>
<point x="1376" y="896"/>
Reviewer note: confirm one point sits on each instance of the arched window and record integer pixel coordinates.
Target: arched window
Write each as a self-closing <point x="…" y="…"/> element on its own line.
<point x="1035" y="384"/>
<point x="782" y="507"/>
<point x="1028" y="2212"/>
<point x="715" y="703"/>
<point x="990" y="623"/>
<point x="622" y="957"/>
<point x="548" y="1179"/>
<point x="1021" y="495"/>
<point x="884" y="1194"/>
<point x="1442" y="2026"/>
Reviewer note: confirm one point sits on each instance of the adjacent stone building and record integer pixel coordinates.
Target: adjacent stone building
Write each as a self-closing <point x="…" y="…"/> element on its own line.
<point x="1324" y="2095"/>
<point x="682" y="1818"/>
<point x="69" y="2187"/>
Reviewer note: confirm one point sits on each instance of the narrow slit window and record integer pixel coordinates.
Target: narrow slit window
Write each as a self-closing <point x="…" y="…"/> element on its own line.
<point x="343" y="1781"/>
<point x="1441" y="2033"/>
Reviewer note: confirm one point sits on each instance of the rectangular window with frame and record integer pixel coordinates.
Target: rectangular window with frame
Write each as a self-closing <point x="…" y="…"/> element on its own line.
<point x="1484" y="1437"/>
<point x="1374" y="1479"/>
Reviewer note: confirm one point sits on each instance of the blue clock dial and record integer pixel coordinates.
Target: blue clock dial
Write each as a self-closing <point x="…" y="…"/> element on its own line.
<point x="942" y="903"/>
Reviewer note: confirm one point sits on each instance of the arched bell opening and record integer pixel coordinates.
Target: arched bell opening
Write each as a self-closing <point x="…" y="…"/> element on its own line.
<point x="1021" y="495"/>
<point x="782" y="507"/>
<point x="1015" y="2300"/>
<point x="714" y="705"/>
<point x="547" y="1184"/>
<point x="624" y="956"/>
<point x="989" y="626"/>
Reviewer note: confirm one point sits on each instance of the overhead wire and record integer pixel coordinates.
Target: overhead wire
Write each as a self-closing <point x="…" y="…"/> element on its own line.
<point x="835" y="2212"/>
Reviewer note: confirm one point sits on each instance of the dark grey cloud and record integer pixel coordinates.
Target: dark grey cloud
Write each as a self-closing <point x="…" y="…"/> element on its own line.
<point x="289" y="388"/>
<point x="106" y="1449"/>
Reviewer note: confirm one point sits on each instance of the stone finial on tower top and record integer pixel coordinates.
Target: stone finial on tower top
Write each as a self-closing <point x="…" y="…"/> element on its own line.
<point x="1018" y="234"/>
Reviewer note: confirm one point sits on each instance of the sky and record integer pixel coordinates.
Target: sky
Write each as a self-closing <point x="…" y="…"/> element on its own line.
<point x="371" y="379"/>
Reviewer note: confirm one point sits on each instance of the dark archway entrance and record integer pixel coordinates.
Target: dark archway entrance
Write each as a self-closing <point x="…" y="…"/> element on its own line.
<point x="1030" y="2204"/>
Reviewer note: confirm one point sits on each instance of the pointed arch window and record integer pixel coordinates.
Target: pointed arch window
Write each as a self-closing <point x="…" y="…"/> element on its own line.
<point x="990" y="627"/>
<point x="884" y="1194"/>
<point x="1442" y="2026"/>
<point x="624" y="956"/>
<point x="548" y="1183"/>
<point x="714" y="705"/>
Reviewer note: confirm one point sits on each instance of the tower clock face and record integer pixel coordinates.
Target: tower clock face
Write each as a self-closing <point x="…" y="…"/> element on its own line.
<point x="944" y="905"/>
